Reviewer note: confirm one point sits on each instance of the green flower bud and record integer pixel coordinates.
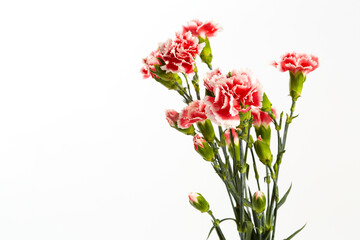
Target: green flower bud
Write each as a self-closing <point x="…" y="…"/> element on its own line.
<point x="259" y="202"/>
<point x="296" y="84"/>
<point x="206" y="54"/>
<point x="263" y="152"/>
<point x="207" y="130"/>
<point x="264" y="131"/>
<point x="199" y="202"/>
<point x="203" y="148"/>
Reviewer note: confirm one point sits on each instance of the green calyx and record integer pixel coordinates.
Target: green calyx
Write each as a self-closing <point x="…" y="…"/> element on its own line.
<point x="263" y="151"/>
<point x="296" y="84"/>
<point x="206" y="54"/>
<point x="264" y="132"/>
<point x="206" y="151"/>
<point x="186" y="131"/>
<point x="207" y="130"/>
<point x="169" y="80"/>
<point x="202" y="205"/>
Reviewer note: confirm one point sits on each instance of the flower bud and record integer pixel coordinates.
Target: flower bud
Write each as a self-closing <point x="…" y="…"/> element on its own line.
<point x="172" y="117"/>
<point x="206" y="54"/>
<point x="199" y="202"/>
<point x="207" y="130"/>
<point x="203" y="148"/>
<point x="259" y="202"/>
<point x="265" y="132"/>
<point x="296" y="84"/>
<point x="263" y="151"/>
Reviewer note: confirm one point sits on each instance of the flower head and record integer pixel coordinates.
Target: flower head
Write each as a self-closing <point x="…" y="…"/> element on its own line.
<point x="194" y="112"/>
<point x="149" y="64"/>
<point x="233" y="94"/>
<point x="179" y="54"/>
<point x="211" y="78"/>
<point x="202" y="29"/>
<point x="297" y="62"/>
<point x="172" y="117"/>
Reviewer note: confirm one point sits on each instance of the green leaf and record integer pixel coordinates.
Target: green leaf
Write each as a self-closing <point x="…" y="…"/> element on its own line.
<point x="247" y="203"/>
<point x="210" y="232"/>
<point x="266" y="104"/>
<point x="292" y="235"/>
<point x="283" y="199"/>
<point x="225" y="219"/>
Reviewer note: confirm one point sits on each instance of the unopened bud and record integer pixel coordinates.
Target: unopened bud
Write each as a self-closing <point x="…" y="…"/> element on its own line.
<point x="203" y="148"/>
<point x="259" y="202"/>
<point x="263" y="151"/>
<point x="199" y="202"/>
<point x="207" y="130"/>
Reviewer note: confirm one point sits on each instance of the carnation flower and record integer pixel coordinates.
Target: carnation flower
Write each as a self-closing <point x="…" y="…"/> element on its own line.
<point x="234" y="94"/>
<point x="194" y="112"/>
<point x="198" y="28"/>
<point x="297" y="62"/>
<point x="211" y="78"/>
<point x="172" y="117"/>
<point x="179" y="55"/>
<point x="260" y="117"/>
<point x="149" y="62"/>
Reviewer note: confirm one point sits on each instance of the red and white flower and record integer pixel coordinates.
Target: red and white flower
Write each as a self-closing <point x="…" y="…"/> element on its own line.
<point x="211" y="78"/>
<point x="172" y="117"/>
<point x="149" y="62"/>
<point x="193" y="113"/>
<point x="198" y="28"/>
<point x="179" y="54"/>
<point x="234" y="94"/>
<point x="261" y="118"/>
<point x="297" y="62"/>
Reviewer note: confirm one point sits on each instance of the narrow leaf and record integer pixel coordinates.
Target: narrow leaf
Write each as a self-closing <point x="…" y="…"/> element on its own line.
<point x="210" y="233"/>
<point x="283" y="199"/>
<point x="292" y="235"/>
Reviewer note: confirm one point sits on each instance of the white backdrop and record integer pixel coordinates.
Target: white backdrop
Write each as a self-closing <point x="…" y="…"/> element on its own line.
<point x="85" y="150"/>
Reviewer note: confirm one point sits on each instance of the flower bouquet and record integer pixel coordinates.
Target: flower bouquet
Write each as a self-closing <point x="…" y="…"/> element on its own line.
<point x="231" y="122"/>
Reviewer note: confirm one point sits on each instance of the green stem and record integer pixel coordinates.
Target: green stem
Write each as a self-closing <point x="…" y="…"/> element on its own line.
<point x="255" y="169"/>
<point x="280" y="155"/>
<point x="187" y="83"/>
<point x="217" y="227"/>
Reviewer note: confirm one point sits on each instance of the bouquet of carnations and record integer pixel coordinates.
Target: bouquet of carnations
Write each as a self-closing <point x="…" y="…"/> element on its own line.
<point x="230" y="122"/>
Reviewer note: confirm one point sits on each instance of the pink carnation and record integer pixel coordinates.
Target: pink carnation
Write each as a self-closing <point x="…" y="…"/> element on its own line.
<point x="228" y="137"/>
<point x="198" y="141"/>
<point x="198" y="28"/>
<point x="172" y="117"/>
<point x="297" y="62"/>
<point x="193" y="113"/>
<point x="260" y="117"/>
<point x="211" y="78"/>
<point x="179" y="55"/>
<point x="149" y="62"/>
<point x="234" y="94"/>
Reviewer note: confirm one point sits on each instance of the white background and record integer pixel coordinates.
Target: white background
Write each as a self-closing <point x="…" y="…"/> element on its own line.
<point x="85" y="150"/>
